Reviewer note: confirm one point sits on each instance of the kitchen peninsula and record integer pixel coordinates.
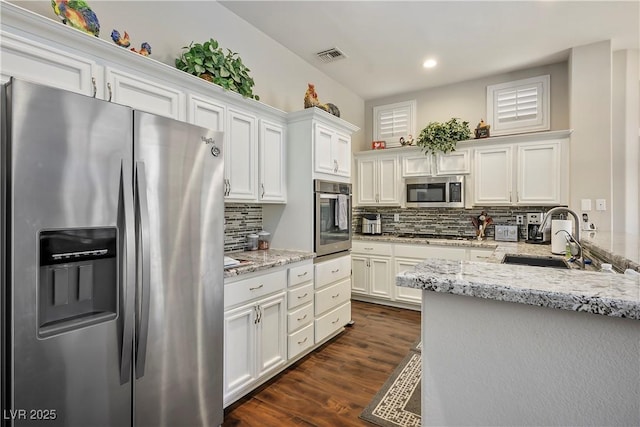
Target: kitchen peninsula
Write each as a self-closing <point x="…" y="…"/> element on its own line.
<point x="534" y="346"/>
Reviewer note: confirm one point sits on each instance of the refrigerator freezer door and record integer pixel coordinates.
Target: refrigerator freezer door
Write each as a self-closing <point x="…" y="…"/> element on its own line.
<point x="65" y="182"/>
<point x="182" y="341"/>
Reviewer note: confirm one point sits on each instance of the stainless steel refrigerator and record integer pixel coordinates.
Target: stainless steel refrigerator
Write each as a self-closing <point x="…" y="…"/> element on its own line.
<point x="112" y="257"/>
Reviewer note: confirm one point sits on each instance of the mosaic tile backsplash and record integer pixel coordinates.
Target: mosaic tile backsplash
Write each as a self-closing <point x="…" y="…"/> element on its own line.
<point x="240" y="220"/>
<point x="443" y="221"/>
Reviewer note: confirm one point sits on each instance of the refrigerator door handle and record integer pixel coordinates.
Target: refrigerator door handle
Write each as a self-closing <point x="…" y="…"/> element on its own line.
<point x="142" y="219"/>
<point x="128" y="274"/>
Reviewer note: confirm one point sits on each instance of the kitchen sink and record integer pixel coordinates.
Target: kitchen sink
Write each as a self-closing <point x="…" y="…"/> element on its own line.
<point x="536" y="261"/>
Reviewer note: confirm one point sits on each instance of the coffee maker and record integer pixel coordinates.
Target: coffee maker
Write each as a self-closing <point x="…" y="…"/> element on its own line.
<point x="533" y="229"/>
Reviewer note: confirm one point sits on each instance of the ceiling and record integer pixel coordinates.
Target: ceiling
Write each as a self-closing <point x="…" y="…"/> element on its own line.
<point x="386" y="42"/>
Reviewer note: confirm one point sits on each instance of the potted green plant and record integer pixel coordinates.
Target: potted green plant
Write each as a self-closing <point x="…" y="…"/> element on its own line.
<point x="442" y="137"/>
<point x="208" y="61"/>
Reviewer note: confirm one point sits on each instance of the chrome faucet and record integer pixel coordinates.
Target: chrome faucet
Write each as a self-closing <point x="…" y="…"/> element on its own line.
<point x="561" y="209"/>
<point x="571" y="241"/>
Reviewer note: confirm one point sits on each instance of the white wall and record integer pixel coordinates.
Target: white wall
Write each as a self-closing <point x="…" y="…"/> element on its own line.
<point x="625" y="147"/>
<point x="590" y="118"/>
<point x="468" y="100"/>
<point x="280" y="76"/>
<point x="489" y="363"/>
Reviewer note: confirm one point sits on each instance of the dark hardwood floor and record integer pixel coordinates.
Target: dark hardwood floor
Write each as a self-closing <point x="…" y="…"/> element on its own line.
<point x="331" y="386"/>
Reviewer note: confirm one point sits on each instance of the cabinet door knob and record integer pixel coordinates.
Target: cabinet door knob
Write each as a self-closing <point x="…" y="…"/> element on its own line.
<point x="335" y="296"/>
<point x="303" y="296"/>
<point x="110" y="92"/>
<point x="300" y="319"/>
<point x="336" y="321"/>
<point x="262" y="195"/>
<point x="335" y="271"/>
<point x="95" y="88"/>
<point x="257" y="287"/>
<point x="303" y="274"/>
<point x="303" y="341"/>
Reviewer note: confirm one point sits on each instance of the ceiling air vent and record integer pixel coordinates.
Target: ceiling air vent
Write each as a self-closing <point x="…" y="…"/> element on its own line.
<point x="330" y="55"/>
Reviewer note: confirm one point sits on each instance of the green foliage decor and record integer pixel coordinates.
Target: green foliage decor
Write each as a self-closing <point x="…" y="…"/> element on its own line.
<point x="208" y="61"/>
<point x="443" y="136"/>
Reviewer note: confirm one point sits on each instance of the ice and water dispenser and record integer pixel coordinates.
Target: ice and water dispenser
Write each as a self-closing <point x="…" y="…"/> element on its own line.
<point x="78" y="283"/>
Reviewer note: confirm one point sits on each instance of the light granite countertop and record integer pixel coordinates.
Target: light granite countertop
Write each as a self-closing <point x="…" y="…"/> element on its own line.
<point x="615" y="295"/>
<point x="263" y="260"/>
<point x="500" y="249"/>
<point x="591" y="291"/>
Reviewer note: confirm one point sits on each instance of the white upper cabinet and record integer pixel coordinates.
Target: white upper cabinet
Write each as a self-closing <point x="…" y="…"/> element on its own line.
<point x="206" y="112"/>
<point x="454" y="163"/>
<point x="332" y="151"/>
<point x="240" y="157"/>
<point x="416" y="163"/>
<point x="44" y="51"/>
<point x="32" y="61"/>
<point x="378" y="179"/>
<point x="493" y="175"/>
<point x="321" y="144"/>
<point x="144" y="93"/>
<point x="528" y="173"/>
<point x="273" y="187"/>
<point x="539" y="173"/>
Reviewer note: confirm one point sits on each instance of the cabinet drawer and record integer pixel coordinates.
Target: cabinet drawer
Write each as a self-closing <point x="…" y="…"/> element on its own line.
<point x="246" y="290"/>
<point x="299" y="318"/>
<point x="300" y="341"/>
<point x="332" y="321"/>
<point x="332" y="271"/>
<point x="480" y="254"/>
<point x="301" y="274"/>
<point x="431" y="251"/>
<point x="299" y="296"/>
<point x="333" y="296"/>
<point x="371" y="248"/>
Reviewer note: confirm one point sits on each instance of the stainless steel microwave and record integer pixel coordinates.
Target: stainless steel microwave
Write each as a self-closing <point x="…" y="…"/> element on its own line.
<point x="436" y="192"/>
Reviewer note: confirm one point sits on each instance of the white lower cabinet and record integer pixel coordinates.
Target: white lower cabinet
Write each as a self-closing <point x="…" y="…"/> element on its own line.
<point x="409" y="295"/>
<point x="372" y="269"/>
<point x="300" y="309"/>
<point x="255" y="332"/>
<point x="375" y="265"/>
<point x="332" y="296"/>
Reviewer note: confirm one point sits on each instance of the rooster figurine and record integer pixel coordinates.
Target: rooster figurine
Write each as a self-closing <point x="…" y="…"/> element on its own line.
<point x="145" y="49"/>
<point x="77" y="14"/>
<point x="122" y="41"/>
<point x="311" y="100"/>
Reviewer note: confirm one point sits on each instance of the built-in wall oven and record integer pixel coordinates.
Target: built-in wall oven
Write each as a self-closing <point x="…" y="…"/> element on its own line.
<point x="332" y="217"/>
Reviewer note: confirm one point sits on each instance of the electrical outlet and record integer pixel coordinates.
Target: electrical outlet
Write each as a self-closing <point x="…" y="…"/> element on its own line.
<point x="396" y="217"/>
<point x="585" y="205"/>
<point x="601" y="205"/>
<point x="519" y="219"/>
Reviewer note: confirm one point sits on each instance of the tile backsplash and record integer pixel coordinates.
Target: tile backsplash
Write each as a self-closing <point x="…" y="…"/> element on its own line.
<point x="443" y="221"/>
<point x="240" y="219"/>
<point x="245" y="218"/>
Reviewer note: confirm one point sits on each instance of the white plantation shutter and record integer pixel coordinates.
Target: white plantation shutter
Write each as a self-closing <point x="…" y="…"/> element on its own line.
<point x="390" y="122"/>
<point x="519" y="106"/>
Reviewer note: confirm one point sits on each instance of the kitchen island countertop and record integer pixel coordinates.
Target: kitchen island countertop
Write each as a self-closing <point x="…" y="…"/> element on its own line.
<point x="615" y="295"/>
<point x="252" y="261"/>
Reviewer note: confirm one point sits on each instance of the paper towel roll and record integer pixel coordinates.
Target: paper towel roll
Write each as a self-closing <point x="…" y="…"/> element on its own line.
<point x="559" y="241"/>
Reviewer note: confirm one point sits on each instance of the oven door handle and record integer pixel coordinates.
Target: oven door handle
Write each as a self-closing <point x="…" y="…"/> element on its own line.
<point x="328" y="196"/>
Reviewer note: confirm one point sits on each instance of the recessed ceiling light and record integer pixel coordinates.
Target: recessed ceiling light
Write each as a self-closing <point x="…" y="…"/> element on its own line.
<point x="429" y="63"/>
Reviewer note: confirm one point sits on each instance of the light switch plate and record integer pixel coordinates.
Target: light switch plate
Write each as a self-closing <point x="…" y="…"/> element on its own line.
<point x="396" y="217"/>
<point x="585" y="205"/>
<point x="601" y="205"/>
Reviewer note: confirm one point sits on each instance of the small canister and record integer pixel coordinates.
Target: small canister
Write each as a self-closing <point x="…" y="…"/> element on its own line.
<point x="264" y="237"/>
<point x="252" y="242"/>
